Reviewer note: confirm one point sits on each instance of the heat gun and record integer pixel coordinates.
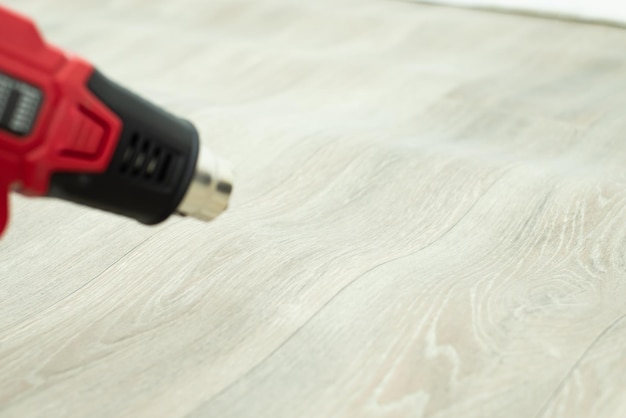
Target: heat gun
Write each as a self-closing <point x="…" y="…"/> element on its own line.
<point x="69" y="132"/>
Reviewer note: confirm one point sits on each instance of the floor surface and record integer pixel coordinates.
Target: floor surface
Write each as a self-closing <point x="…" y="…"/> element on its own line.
<point x="429" y="220"/>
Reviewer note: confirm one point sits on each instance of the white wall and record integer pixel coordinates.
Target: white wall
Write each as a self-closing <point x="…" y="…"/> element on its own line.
<point x="613" y="10"/>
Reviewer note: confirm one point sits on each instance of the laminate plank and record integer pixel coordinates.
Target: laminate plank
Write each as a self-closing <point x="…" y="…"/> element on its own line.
<point x="428" y="220"/>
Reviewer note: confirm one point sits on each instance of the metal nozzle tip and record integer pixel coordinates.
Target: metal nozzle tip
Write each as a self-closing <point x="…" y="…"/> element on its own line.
<point x="210" y="187"/>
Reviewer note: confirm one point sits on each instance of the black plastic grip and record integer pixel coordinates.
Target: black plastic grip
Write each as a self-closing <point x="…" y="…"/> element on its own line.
<point x="151" y="168"/>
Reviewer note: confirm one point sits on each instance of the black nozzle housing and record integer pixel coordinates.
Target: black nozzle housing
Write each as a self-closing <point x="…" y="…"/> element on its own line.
<point x="151" y="168"/>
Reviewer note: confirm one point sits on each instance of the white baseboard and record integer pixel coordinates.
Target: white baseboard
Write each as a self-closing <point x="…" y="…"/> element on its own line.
<point x="597" y="10"/>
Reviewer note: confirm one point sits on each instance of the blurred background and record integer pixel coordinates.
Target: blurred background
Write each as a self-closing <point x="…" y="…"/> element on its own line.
<point x="605" y="10"/>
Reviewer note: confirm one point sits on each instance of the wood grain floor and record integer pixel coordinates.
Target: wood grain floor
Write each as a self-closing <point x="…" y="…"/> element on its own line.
<point x="429" y="220"/>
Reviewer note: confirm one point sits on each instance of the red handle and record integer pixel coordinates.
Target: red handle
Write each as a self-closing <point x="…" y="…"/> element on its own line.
<point x="73" y="132"/>
<point x="4" y="207"/>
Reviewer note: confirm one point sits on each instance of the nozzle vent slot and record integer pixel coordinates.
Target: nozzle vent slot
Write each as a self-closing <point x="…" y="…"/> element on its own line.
<point x="144" y="160"/>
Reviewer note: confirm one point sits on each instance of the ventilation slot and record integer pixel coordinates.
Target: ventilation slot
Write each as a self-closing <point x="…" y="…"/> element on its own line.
<point x="143" y="160"/>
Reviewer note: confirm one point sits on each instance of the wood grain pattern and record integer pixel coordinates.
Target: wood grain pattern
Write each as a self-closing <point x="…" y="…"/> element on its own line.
<point x="429" y="220"/>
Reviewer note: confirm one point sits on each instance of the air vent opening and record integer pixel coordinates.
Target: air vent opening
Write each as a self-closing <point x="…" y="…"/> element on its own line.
<point x="143" y="160"/>
<point x="164" y="169"/>
<point x="153" y="163"/>
<point x="129" y="153"/>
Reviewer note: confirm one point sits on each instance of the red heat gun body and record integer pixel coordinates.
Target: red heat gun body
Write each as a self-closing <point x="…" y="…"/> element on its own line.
<point x="67" y="131"/>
